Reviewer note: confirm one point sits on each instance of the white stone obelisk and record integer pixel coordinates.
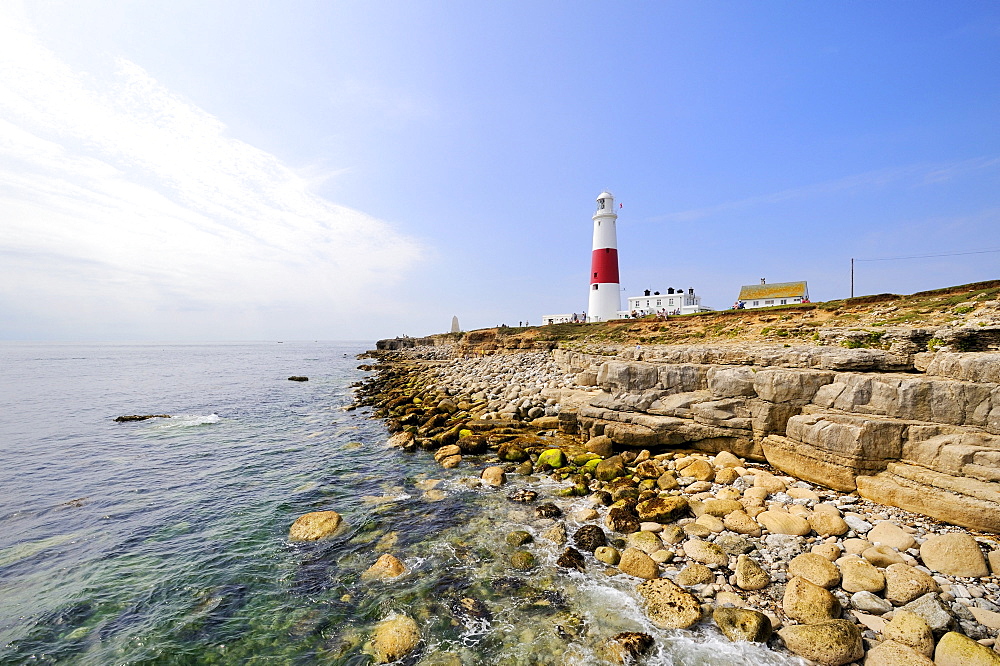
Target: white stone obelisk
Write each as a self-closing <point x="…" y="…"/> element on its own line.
<point x="605" y="289"/>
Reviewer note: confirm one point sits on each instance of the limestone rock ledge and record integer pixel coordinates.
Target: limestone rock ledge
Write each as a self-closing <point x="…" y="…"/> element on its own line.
<point x="918" y="431"/>
<point x="959" y="500"/>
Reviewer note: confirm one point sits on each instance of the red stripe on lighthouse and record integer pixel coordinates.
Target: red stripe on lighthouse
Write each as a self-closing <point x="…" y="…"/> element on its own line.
<point x="604" y="266"/>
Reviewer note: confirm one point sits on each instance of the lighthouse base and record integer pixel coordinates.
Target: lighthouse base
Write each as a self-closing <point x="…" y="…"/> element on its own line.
<point x="605" y="301"/>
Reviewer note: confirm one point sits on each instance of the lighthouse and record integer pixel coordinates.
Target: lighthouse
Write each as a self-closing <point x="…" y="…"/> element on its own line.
<point x="605" y="290"/>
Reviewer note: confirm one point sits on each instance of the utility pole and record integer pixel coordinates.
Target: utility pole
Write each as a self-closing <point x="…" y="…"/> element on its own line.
<point x="852" y="277"/>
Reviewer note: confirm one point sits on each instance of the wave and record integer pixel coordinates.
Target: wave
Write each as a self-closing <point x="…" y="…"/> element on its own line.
<point x="186" y="421"/>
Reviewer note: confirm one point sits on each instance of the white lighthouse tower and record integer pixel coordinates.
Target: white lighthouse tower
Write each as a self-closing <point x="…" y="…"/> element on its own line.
<point x="605" y="290"/>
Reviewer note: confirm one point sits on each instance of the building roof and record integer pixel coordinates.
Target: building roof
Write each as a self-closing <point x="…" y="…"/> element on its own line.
<point x="754" y="292"/>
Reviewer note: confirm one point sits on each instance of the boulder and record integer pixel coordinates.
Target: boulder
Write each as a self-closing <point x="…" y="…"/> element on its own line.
<point x="889" y="533"/>
<point x="721" y="507"/>
<point x="930" y="608"/>
<point x="954" y="649"/>
<point x="518" y="538"/>
<point x="705" y="552"/>
<point x="725" y="459"/>
<point x="394" y="638"/>
<point x="601" y="445"/>
<point x="494" y="476"/>
<point x="955" y="554"/>
<point x="911" y="630"/>
<point x="554" y="458"/>
<point x="742" y="624"/>
<point x="571" y="558"/>
<point x="831" y="643"/>
<point x="636" y="563"/>
<point x="385" y="567"/>
<point x="904" y="583"/>
<point x="741" y="523"/>
<point x="809" y="603"/>
<point x="315" y="525"/>
<point x="782" y="522"/>
<point x="870" y="603"/>
<point x="589" y="538"/>
<point x="891" y="653"/>
<point x="608" y="555"/>
<point x="831" y="551"/>
<point x="662" y="509"/>
<point x="647" y="542"/>
<point x="827" y="523"/>
<point x="626" y="647"/>
<point x="858" y="575"/>
<point x="882" y="556"/>
<point x="695" y="574"/>
<point x="701" y="470"/>
<point x="522" y="560"/>
<point x="447" y="451"/>
<point x="768" y="482"/>
<point x="750" y="575"/>
<point x="667" y="605"/>
<point x="620" y="519"/>
<point x="610" y="469"/>
<point x="816" y="569"/>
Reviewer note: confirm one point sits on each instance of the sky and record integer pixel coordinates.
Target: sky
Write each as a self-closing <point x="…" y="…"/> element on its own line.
<point x="198" y="170"/>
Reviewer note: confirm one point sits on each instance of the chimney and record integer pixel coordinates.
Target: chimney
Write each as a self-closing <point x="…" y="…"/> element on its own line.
<point x="691" y="291"/>
<point x="646" y="293"/>
<point x="670" y="290"/>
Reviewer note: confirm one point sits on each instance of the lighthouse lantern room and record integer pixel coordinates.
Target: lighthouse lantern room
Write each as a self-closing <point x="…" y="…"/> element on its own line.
<point x="605" y="289"/>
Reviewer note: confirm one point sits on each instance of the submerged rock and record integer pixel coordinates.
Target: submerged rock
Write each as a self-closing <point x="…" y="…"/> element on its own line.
<point x="394" y="637"/>
<point x="315" y="525"/>
<point x="385" y="567"/>
<point x="626" y="647"/>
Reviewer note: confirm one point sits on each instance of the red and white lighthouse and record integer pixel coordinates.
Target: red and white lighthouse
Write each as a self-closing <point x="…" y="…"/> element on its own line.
<point x="605" y="290"/>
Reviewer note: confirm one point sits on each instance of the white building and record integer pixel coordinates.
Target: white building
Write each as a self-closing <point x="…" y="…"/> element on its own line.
<point x="765" y="295"/>
<point x="674" y="301"/>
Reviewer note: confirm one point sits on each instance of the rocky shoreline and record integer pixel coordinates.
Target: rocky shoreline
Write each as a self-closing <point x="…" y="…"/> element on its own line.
<point x="708" y="535"/>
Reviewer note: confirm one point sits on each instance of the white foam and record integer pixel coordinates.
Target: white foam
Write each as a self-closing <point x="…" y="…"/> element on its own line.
<point x="186" y="421"/>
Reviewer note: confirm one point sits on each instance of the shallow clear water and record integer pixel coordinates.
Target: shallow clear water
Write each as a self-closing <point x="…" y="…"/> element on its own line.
<point x="164" y="541"/>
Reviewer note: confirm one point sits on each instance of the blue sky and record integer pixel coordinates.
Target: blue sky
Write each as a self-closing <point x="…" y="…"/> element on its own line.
<point x="191" y="170"/>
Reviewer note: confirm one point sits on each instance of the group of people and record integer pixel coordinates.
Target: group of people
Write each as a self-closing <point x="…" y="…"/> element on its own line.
<point x="661" y="314"/>
<point x="579" y="318"/>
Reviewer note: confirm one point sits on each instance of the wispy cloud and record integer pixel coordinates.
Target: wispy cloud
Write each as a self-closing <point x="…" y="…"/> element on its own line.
<point x="915" y="175"/>
<point x="119" y="199"/>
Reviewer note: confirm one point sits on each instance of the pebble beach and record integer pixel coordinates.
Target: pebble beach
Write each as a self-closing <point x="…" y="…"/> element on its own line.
<point x="710" y="542"/>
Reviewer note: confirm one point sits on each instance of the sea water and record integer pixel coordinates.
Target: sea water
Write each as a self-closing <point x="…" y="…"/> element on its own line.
<point x="164" y="541"/>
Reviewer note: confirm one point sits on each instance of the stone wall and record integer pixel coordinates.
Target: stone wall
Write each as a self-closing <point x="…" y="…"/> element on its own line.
<point x="915" y="430"/>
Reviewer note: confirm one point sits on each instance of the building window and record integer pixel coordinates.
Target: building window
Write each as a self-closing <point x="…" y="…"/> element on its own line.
<point x="756" y="302"/>
<point x="769" y="302"/>
<point x="657" y="302"/>
<point x="784" y="302"/>
<point x="595" y="287"/>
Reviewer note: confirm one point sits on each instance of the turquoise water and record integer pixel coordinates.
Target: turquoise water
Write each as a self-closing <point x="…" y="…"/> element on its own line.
<point x="164" y="541"/>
